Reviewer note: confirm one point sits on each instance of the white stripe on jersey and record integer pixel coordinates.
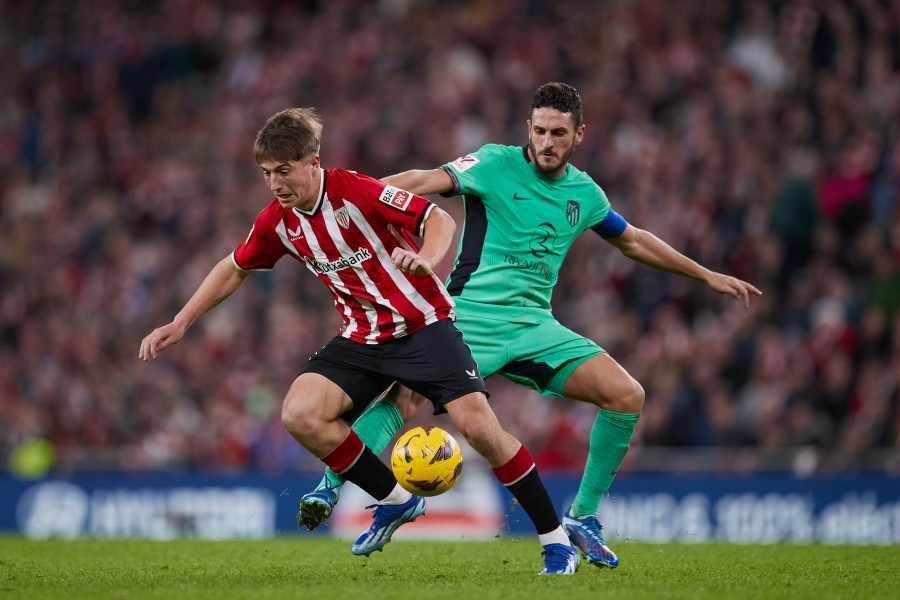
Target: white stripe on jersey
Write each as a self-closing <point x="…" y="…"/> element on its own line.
<point x="338" y="239"/>
<point x="281" y="230"/>
<point x="335" y="281"/>
<point x="406" y="245"/>
<point x="397" y="276"/>
<point x="338" y="284"/>
<point x="346" y="311"/>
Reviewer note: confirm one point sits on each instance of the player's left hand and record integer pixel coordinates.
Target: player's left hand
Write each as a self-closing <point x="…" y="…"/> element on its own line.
<point x="734" y="287"/>
<point x="410" y="262"/>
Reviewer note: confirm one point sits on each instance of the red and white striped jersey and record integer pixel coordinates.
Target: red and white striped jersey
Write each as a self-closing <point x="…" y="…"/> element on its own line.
<point x="347" y="240"/>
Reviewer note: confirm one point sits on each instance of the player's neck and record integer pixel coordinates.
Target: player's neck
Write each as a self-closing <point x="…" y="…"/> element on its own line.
<point x="309" y="203"/>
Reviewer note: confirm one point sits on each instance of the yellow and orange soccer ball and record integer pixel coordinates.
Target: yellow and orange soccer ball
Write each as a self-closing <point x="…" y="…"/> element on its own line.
<point x="426" y="461"/>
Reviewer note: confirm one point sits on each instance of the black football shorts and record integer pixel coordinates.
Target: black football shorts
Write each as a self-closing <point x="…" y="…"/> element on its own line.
<point x="433" y="361"/>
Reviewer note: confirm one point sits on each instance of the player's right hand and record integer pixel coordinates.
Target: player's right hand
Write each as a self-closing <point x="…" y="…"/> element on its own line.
<point x="160" y="339"/>
<point x="410" y="262"/>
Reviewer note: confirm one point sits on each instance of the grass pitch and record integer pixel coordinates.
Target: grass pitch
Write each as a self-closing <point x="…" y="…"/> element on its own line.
<point x="317" y="567"/>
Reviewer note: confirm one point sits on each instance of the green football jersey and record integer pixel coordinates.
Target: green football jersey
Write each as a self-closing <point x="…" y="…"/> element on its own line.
<point x="519" y="225"/>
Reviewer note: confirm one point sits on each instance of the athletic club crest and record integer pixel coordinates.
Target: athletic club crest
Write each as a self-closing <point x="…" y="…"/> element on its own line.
<point x="573" y="212"/>
<point x="342" y="216"/>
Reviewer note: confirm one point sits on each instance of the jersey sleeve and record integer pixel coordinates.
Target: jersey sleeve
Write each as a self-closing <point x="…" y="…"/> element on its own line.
<point x="396" y="206"/>
<point x="261" y="249"/>
<point x="600" y="212"/>
<point x="472" y="173"/>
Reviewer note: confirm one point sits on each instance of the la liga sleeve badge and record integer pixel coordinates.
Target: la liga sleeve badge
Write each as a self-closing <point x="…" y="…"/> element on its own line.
<point x="464" y="163"/>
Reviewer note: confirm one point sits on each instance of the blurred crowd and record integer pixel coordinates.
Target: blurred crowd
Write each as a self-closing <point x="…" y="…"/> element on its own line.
<point x="760" y="138"/>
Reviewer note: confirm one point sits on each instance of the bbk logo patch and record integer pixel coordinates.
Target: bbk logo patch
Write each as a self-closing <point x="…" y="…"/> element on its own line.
<point x="464" y="163"/>
<point x="395" y="197"/>
<point x="573" y="212"/>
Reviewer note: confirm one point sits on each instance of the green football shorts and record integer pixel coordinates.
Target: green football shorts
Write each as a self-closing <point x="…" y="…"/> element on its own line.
<point x="540" y="356"/>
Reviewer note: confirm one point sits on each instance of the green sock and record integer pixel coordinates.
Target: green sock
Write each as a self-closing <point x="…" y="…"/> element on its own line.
<point x="610" y="437"/>
<point x="375" y="427"/>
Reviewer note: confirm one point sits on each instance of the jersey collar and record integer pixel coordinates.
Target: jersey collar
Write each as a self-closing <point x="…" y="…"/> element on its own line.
<point x="323" y="181"/>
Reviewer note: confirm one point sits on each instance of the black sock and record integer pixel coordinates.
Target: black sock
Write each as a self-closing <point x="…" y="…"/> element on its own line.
<point x="371" y="475"/>
<point x="355" y="462"/>
<point x="533" y="496"/>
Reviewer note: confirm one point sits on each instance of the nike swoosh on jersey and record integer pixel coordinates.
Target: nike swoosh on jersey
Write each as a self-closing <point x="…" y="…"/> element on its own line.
<point x="517" y="197"/>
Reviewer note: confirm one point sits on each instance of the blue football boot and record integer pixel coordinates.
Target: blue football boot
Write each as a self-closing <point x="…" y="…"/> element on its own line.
<point x="585" y="532"/>
<point x="560" y="559"/>
<point x="387" y="518"/>
<point x="316" y="506"/>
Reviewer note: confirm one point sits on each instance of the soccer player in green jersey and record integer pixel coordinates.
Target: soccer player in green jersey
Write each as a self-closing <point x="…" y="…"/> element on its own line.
<point x="524" y="208"/>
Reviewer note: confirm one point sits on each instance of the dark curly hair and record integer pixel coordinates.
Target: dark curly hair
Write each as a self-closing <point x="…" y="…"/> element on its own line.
<point x="561" y="96"/>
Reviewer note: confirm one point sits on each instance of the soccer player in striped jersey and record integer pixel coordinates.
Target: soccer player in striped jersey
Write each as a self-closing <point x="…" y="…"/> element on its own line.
<point x="352" y="232"/>
<point x="524" y="208"/>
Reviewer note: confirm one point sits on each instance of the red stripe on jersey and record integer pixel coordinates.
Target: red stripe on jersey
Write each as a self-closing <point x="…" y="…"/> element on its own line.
<point x="346" y="241"/>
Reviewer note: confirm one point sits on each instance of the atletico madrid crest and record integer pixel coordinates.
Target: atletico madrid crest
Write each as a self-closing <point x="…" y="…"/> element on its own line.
<point x="573" y="212"/>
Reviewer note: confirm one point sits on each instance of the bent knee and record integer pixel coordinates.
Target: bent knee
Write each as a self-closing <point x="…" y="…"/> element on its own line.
<point x="478" y="434"/>
<point x="298" y="422"/>
<point x="479" y="428"/>
<point x="633" y="398"/>
<point x="628" y="399"/>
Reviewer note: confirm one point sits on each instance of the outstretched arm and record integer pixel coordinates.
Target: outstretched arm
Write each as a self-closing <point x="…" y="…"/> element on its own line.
<point x="644" y="247"/>
<point x="417" y="181"/>
<point x="221" y="282"/>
